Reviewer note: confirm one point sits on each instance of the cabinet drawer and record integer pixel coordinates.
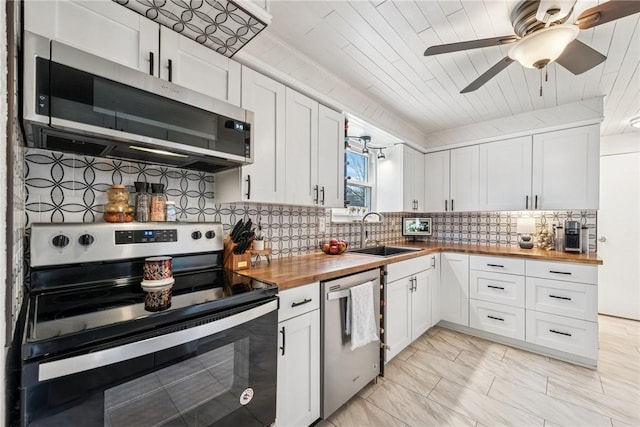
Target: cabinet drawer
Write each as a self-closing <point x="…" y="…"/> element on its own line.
<point x="408" y="267"/>
<point x="575" y="300"/>
<point x="497" y="264"/>
<point x="300" y="300"/>
<point x="563" y="333"/>
<point x="568" y="272"/>
<point x="497" y="318"/>
<point x="495" y="287"/>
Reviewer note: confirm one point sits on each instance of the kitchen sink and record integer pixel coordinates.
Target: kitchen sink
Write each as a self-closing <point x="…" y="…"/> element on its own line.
<point x="384" y="250"/>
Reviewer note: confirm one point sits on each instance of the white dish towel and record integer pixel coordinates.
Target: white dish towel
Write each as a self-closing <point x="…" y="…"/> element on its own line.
<point x="362" y="317"/>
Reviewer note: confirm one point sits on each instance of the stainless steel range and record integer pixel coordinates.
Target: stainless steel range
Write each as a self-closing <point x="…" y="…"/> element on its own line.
<point x="93" y="355"/>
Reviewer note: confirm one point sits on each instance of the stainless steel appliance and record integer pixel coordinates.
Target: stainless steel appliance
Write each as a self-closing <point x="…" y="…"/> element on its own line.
<point x="77" y="102"/>
<point x="93" y="356"/>
<point x="345" y="372"/>
<point x="572" y="236"/>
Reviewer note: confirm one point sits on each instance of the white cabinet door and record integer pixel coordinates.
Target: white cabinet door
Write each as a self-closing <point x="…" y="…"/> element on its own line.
<point x="505" y="175"/>
<point x="397" y="328"/>
<point x="566" y="169"/>
<point x="421" y="304"/>
<point x="454" y="288"/>
<point x="463" y="184"/>
<point x="436" y="181"/>
<point x="301" y="149"/>
<point x="413" y="179"/>
<point x="262" y="181"/>
<point x="298" y="396"/>
<point x="330" y="157"/>
<point x="434" y="278"/>
<point x="103" y="28"/>
<point x="194" y="66"/>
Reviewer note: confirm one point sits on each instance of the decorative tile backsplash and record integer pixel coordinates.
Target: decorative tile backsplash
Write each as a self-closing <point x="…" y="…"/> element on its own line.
<point x="67" y="188"/>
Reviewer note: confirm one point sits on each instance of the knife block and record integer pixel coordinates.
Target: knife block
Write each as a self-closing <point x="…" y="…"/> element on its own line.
<point x="231" y="261"/>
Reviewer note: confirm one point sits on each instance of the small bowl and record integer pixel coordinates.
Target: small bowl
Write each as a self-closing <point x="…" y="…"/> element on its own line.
<point x="157" y="268"/>
<point x="327" y="249"/>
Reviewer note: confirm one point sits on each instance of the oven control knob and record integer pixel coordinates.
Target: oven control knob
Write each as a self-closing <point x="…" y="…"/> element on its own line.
<point x="86" y="240"/>
<point x="210" y="234"/>
<point x="60" y="241"/>
<point x="196" y="235"/>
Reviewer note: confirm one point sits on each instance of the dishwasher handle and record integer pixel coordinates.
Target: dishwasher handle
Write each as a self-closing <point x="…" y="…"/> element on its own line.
<point x="343" y="293"/>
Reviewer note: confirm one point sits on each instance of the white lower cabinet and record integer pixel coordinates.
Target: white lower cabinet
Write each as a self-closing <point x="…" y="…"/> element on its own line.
<point x="562" y="333"/>
<point x="298" y="396"/>
<point x="497" y="318"/>
<point x="408" y="302"/>
<point x="454" y="288"/>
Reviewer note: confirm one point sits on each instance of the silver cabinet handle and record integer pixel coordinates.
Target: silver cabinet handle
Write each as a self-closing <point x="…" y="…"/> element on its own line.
<point x="433" y="262"/>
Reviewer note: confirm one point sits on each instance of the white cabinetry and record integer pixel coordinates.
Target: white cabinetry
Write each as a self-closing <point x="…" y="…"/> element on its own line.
<point x="408" y="302"/>
<point x="262" y="181"/>
<point x="436" y="170"/>
<point x="566" y="169"/>
<point x="454" y="287"/>
<point x="113" y="32"/>
<point x="562" y="307"/>
<point x="451" y="180"/>
<point x="505" y="175"/>
<point x="306" y="163"/>
<point x="497" y="295"/>
<point x="413" y="180"/>
<point x="298" y="397"/>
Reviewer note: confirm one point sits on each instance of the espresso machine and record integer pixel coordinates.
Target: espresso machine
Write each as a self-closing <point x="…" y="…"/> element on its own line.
<point x="572" y="236"/>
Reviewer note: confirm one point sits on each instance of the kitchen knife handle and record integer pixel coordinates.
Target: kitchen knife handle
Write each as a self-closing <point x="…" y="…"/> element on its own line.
<point x="315" y="192"/>
<point x="170" y="68"/>
<point x="283" y="338"/>
<point x="248" y="193"/>
<point x="151" y="61"/>
<point x="322" y="191"/>
<point x="536" y="202"/>
<point x="527" y="202"/>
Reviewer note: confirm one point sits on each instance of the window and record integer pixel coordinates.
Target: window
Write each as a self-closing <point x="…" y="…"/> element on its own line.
<point x="358" y="191"/>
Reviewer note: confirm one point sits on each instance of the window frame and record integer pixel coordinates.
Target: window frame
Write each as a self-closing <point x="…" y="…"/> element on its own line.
<point x="371" y="175"/>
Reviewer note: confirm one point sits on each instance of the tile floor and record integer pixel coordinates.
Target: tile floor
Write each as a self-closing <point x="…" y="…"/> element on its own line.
<point x="449" y="378"/>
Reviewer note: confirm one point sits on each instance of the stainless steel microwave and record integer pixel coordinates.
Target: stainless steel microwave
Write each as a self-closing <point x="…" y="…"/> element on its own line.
<point x="77" y="102"/>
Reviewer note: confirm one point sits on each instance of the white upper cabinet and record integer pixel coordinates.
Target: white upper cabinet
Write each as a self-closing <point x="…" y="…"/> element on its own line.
<point x="566" y="169"/>
<point x="194" y="66"/>
<point x="330" y="157"/>
<point x="262" y="181"/>
<point x="436" y="181"/>
<point x="301" y="160"/>
<point x="413" y="180"/>
<point x="463" y="184"/>
<point x="103" y="28"/>
<point x="113" y="32"/>
<point x="505" y="175"/>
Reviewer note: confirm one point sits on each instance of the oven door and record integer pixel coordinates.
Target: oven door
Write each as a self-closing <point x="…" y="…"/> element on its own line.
<point x="218" y="370"/>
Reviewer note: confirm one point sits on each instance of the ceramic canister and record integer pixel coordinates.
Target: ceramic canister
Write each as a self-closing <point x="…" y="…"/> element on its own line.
<point x="157" y="268"/>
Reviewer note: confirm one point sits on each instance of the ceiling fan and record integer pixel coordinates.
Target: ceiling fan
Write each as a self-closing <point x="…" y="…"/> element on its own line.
<point x="542" y="36"/>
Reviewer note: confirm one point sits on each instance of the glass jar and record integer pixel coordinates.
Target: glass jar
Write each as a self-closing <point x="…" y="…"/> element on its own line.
<point x="172" y="213"/>
<point x="143" y="201"/>
<point x="158" y="203"/>
<point x="117" y="208"/>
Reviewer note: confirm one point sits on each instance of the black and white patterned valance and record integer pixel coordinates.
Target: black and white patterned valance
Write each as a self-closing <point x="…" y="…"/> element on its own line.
<point x="221" y="25"/>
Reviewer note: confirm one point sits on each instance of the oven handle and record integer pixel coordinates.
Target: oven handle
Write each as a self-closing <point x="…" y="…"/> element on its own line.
<point x="85" y="362"/>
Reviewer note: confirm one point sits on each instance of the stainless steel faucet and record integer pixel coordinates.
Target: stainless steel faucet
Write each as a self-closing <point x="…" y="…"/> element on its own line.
<point x="363" y="240"/>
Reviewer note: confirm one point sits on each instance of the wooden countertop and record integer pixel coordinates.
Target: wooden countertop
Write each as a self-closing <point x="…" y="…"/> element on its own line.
<point x="299" y="270"/>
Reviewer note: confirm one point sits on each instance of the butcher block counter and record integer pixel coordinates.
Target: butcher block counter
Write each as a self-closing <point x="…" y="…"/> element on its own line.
<point x="299" y="270"/>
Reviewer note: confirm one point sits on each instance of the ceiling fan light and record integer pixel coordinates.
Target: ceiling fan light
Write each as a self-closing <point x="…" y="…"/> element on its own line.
<point x="543" y="46"/>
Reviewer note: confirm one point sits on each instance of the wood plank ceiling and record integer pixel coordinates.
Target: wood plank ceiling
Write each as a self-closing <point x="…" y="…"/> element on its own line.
<point x="375" y="48"/>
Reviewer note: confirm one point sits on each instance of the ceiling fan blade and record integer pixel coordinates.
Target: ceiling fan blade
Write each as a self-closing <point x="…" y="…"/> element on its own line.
<point x="472" y="44"/>
<point x="607" y="12"/>
<point x="488" y="75"/>
<point x="578" y="57"/>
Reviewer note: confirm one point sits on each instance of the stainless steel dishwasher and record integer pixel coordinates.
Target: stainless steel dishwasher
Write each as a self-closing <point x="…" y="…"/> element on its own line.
<point x="345" y="372"/>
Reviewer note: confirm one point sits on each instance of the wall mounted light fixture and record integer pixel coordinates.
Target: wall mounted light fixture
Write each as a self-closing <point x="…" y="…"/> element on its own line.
<point x="381" y="154"/>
